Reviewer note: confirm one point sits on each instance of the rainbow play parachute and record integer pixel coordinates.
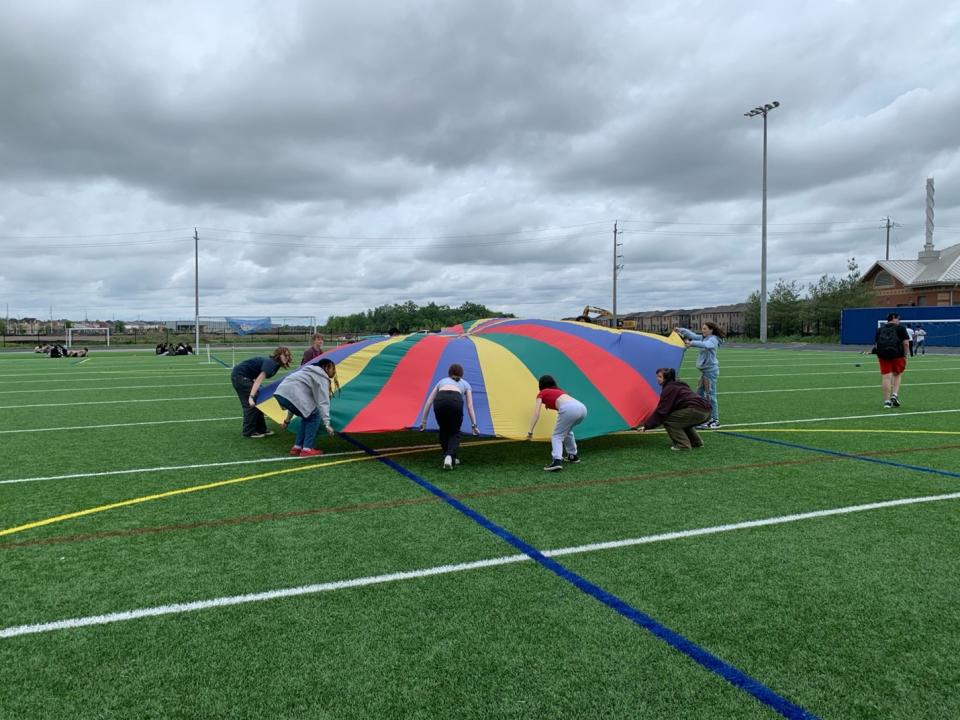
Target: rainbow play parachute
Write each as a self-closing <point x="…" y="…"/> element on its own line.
<point x="385" y="381"/>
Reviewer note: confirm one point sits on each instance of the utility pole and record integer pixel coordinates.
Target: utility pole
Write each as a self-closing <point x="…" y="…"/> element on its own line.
<point x="888" y="226"/>
<point x="196" y="291"/>
<point x="614" y="321"/>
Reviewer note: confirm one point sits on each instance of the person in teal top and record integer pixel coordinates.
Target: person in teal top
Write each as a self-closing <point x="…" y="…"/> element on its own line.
<point x="707" y="342"/>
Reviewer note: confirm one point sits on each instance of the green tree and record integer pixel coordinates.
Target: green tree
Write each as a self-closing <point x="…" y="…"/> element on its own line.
<point x="784" y="309"/>
<point x="751" y="315"/>
<point x="408" y="317"/>
<point x="830" y="295"/>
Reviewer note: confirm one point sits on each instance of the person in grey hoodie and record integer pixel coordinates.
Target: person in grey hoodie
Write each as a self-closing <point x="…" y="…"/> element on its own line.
<point x="306" y="394"/>
<point x="707" y="342"/>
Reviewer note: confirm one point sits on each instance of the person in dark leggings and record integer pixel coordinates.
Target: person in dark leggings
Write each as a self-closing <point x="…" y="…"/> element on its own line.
<point x="246" y="378"/>
<point x="447" y="400"/>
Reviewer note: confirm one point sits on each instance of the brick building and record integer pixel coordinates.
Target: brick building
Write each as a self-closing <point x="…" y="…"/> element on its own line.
<point x="933" y="279"/>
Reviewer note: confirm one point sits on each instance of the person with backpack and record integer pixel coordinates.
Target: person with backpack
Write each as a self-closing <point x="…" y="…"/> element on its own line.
<point x="891" y="344"/>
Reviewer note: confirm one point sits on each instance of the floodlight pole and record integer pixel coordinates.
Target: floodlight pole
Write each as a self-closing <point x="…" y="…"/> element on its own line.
<point x="196" y="291"/>
<point x="763" y="110"/>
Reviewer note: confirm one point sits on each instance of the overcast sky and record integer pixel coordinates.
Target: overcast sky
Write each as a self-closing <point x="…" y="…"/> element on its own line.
<point x="338" y="156"/>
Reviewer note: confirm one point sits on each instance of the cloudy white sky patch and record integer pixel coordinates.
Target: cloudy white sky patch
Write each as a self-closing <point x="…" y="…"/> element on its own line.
<point x="335" y="157"/>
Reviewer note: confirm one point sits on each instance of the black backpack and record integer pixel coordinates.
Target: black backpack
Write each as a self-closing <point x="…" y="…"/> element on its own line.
<point x="889" y="344"/>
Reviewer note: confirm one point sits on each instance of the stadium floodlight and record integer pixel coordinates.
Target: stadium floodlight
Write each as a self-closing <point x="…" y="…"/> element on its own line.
<point x="763" y="110"/>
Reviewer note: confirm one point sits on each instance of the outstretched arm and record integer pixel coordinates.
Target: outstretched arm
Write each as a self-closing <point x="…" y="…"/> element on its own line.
<point x="426" y="408"/>
<point x="472" y="413"/>
<point x="255" y="388"/>
<point x="536" y="416"/>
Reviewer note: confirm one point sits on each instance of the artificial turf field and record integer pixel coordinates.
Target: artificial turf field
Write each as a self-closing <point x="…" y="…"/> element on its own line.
<point x="205" y="575"/>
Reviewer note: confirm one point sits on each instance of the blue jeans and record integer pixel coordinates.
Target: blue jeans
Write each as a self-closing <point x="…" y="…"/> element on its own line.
<point x="707" y="387"/>
<point x="307" y="432"/>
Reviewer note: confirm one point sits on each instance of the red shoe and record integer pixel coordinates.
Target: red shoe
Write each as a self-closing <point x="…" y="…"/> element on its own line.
<point x="310" y="452"/>
<point x="295" y="450"/>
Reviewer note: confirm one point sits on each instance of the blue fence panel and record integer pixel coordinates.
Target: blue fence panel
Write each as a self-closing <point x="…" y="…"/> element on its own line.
<point x="858" y="326"/>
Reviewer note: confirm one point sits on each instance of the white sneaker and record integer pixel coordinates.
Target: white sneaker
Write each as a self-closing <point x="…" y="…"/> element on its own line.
<point x="448" y="463"/>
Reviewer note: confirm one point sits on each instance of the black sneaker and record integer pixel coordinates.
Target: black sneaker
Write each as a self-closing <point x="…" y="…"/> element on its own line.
<point x="572" y="458"/>
<point x="895" y="401"/>
<point x="554" y="465"/>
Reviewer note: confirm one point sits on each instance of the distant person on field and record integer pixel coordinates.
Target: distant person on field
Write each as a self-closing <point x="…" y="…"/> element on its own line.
<point x="570" y="413"/>
<point x="448" y="398"/>
<point x="891" y="344"/>
<point x="707" y="342"/>
<point x="78" y="353"/>
<point x="910" y="338"/>
<point x="680" y="411"/>
<point x="58" y="351"/>
<point x="314" y="351"/>
<point x="247" y="378"/>
<point x="919" y="341"/>
<point x="306" y="394"/>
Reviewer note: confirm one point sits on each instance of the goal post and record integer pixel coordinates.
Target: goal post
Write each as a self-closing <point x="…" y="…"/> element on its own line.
<point x="71" y="331"/>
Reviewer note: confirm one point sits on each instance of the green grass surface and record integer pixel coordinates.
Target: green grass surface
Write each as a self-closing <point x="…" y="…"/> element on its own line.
<point x="853" y="615"/>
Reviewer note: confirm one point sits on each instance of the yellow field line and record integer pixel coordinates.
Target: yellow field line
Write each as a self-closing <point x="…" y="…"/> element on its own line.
<point x="838" y="430"/>
<point x="186" y="490"/>
<point x="219" y="483"/>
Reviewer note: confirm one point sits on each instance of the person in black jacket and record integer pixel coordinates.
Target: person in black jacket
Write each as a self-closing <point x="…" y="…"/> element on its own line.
<point x="680" y="410"/>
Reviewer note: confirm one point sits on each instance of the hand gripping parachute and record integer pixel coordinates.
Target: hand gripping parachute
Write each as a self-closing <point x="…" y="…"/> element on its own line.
<point x="386" y="381"/>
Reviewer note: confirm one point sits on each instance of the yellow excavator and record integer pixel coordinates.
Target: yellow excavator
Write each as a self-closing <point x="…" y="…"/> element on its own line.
<point x="594" y="314"/>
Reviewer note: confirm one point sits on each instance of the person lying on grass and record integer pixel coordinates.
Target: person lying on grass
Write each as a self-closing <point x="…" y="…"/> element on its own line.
<point x="680" y="410"/>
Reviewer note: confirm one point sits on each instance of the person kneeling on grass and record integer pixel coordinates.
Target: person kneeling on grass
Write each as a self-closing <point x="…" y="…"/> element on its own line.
<point x="306" y="394"/>
<point x="680" y="411"/>
<point x="570" y="413"/>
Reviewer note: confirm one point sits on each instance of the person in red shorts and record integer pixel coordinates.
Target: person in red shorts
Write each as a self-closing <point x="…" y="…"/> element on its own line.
<point x="891" y="344"/>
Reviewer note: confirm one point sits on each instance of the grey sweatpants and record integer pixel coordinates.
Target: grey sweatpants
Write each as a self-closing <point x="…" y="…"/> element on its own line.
<point x="570" y="414"/>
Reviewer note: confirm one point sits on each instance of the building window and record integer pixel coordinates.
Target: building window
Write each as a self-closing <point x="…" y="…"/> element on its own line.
<point x="921" y="299"/>
<point x="883" y="280"/>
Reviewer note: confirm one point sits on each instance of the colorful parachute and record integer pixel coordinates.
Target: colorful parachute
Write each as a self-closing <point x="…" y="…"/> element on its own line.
<point x="385" y="381"/>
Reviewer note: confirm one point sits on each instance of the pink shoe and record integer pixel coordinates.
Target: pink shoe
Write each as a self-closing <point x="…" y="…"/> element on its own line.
<point x="310" y="452"/>
<point x="295" y="450"/>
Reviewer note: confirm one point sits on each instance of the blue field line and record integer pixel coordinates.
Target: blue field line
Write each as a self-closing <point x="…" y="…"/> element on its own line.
<point x="840" y="453"/>
<point x="214" y="357"/>
<point x="698" y="654"/>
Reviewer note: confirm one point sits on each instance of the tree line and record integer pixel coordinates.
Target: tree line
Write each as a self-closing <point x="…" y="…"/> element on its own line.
<point x="408" y="317"/>
<point x="790" y="313"/>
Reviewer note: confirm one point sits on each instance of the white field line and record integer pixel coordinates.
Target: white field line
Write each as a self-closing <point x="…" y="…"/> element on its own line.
<point x="118" y="402"/>
<point x="255" y="461"/>
<point x="90" y="377"/>
<point x="101" y="388"/>
<point x="872" y="369"/>
<point x="744" y="424"/>
<point x="875" y="386"/>
<point x="125" y="425"/>
<point x="846" y="417"/>
<point x="83" y="361"/>
<point x="227" y="601"/>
